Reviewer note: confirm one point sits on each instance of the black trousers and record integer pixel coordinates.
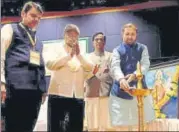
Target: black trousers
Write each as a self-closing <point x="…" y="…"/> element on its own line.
<point x="65" y="114"/>
<point x="21" y="110"/>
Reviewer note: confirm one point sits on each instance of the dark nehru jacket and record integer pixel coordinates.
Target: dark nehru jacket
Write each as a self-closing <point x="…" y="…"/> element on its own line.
<point x="19" y="72"/>
<point x="129" y="56"/>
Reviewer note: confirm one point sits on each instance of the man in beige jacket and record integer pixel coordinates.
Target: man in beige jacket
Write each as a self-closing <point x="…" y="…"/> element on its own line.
<point x="66" y="89"/>
<point x="98" y="87"/>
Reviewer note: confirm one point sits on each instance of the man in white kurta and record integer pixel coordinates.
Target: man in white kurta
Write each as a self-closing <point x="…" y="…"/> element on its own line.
<point x="66" y="89"/>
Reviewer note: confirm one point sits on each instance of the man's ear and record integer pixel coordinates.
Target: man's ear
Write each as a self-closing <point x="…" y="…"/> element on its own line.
<point x="93" y="44"/>
<point x="22" y="14"/>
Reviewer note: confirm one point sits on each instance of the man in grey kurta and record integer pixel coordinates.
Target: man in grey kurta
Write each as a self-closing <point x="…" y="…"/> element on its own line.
<point x="98" y="86"/>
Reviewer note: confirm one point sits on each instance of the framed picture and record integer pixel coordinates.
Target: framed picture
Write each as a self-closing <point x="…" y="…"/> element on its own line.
<point x="164" y="82"/>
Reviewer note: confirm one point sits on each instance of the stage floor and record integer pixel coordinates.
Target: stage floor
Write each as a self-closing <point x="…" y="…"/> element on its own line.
<point x="157" y="125"/>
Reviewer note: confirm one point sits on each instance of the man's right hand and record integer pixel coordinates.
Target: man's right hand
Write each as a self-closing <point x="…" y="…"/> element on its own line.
<point x="3" y="92"/>
<point x="96" y="69"/>
<point x="124" y="84"/>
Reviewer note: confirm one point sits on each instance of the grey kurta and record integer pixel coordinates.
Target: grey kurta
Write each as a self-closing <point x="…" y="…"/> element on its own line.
<point x="100" y="84"/>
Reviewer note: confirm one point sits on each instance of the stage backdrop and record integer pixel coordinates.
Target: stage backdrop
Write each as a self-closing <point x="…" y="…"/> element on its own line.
<point x="164" y="80"/>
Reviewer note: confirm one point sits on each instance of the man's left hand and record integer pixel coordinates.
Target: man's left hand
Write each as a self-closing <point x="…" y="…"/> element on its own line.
<point x="106" y="69"/>
<point x="130" y="77"/>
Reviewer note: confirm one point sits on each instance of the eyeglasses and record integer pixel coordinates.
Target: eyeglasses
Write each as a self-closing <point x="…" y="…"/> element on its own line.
<point x="97" y="39"/>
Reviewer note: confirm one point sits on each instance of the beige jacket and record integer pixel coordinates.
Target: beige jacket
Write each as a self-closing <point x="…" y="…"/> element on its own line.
<point x="68" y="74"/>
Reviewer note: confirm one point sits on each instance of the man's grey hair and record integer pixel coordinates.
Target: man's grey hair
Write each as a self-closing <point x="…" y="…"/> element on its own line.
<point x="71" y="27"/>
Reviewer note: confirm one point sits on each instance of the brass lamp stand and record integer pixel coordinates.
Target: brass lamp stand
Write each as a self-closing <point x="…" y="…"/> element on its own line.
<point x="140" y="92"/>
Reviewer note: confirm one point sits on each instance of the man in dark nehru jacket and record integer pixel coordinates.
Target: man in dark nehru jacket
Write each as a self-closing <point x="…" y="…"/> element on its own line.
<point x="23" y="74"/>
